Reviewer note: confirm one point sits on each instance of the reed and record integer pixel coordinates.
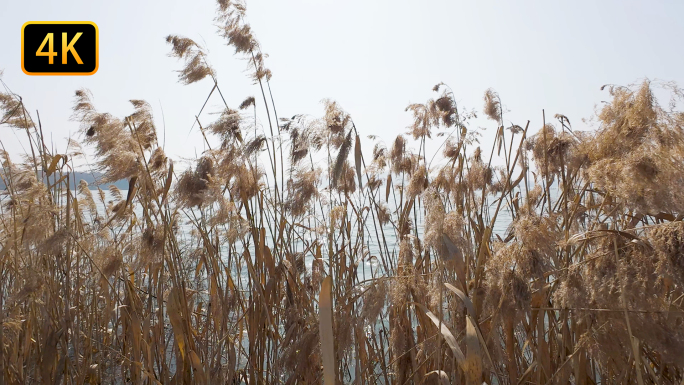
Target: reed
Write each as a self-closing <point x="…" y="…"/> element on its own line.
<point x="288" y="256"/>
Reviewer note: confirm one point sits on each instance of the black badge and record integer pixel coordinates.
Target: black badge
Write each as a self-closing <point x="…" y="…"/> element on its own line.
<point x="59" y="48"/>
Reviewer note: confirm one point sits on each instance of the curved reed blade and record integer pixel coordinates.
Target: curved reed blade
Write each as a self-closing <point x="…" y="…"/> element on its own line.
<point x="448" y="336"/>
<point x="357" y="160"/>
<point x="466" y="301"/>
<point x="440" y="374"/>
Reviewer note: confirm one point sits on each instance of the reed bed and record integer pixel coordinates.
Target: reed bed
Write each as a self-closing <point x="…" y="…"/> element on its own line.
<point x="287" y="255"/>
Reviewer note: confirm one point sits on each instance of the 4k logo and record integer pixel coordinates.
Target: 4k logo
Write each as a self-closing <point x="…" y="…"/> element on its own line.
<point x="59" y="48"/>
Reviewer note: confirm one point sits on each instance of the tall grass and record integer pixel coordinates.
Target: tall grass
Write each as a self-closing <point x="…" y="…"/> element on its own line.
<point x="274" y="260"/>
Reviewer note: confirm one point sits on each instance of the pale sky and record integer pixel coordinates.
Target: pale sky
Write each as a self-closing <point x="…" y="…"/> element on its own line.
<point x="373" y="57"/>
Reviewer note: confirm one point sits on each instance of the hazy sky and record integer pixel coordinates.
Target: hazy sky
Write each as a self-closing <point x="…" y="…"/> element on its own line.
<point x="373" y="57"/>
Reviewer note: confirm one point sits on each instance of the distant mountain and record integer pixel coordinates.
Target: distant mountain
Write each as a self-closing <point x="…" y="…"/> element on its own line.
<point x="91" y="177"/>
